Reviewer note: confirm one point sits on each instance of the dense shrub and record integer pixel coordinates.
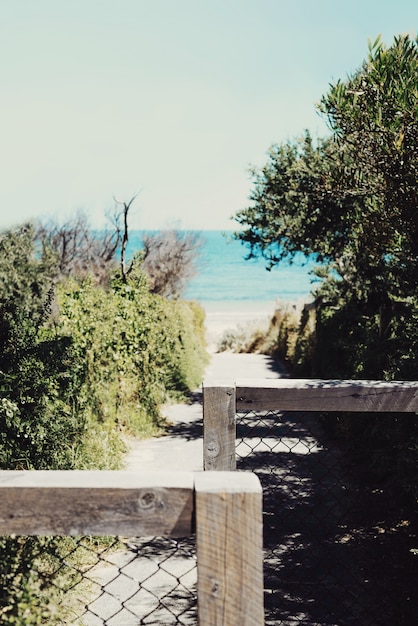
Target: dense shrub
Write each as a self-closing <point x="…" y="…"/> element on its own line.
<point x="40" y="374"/>
<point x="70" y="382"/>
<point x="186" y="358"/>
<point x="351" y="343"/>
<point x="347" y="342"/>
<point x="138" y="347"/>
<point x="41" y="419"/>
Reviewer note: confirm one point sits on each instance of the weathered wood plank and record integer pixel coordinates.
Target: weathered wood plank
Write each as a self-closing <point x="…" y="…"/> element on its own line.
<point x="229" y="549"/>
<point x="95" y="503"/>
<point x="219" y="428"/>
<point x="327" y="395"/>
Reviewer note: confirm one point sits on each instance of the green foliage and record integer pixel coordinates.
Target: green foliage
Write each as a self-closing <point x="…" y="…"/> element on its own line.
<point x="26" y="277"/>
<point x="390" y="353"/>
<point x="373" y="116"/>
<point x="139" y="348"/>
<point x="42" y="578"/>
<point x="108" y="361"/>
<point x="184" y="357"/>
<point x="70" y="382"/>
<point x="39" y="374"/>
<point x="351" y="201"/>
<point x="40" y="415"/>
<point x="288" y="191"/>
<point x="24" y="600"/>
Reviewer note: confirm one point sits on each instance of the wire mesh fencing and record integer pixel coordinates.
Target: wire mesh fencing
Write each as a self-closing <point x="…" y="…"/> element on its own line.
<point x="96" y="581"/>
<point x="337" y="548"/>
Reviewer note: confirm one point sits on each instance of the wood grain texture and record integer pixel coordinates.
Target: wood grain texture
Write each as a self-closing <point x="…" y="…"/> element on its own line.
<point x="95" y="503"/>
<point x="219" y="428"/>
<point x="326" y="395"/>
<point x="229" y="549"/>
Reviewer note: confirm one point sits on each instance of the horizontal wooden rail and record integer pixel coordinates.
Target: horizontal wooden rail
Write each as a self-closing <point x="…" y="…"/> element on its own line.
<point x="95" y="503"/>
<point x="225" y="508"/>
<point x="222" y="402"/>
<point x="327" y="395"/>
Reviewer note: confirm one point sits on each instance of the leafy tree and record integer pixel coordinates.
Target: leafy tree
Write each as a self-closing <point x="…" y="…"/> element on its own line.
<point x="350" y="199"/>
<point x="293" y="210"/>
<point x="373" y="116"/>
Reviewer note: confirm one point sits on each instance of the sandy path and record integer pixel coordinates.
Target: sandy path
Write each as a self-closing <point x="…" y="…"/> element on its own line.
<point x="130" y="581"/>
<point x="319" y="527"/>
<point x="181" y="447"/>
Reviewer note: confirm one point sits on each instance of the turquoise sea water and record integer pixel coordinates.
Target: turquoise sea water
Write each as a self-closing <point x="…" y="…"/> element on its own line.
<point x="225" y="276"/>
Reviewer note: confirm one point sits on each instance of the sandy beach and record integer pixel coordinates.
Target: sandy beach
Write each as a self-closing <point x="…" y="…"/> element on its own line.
<point x="229" y="315"/>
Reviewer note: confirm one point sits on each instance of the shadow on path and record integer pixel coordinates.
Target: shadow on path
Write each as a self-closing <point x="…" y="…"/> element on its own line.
<point x="337" y="550"/>
<point x="225" y="366"/>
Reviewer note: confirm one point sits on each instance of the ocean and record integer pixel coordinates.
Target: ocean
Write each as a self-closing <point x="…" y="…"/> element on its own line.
<point x="225" y="276"/>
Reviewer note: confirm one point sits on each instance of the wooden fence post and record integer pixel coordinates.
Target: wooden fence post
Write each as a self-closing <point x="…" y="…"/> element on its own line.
<point x="229" y="549"/>
<point x="219" y="431"/>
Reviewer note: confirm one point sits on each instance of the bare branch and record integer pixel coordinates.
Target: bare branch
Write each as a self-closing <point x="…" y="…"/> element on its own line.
<point x="125" y="237"/>
<point x="80" y="249"/>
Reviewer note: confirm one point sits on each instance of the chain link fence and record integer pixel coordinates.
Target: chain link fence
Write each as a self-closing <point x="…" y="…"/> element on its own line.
<point x="96" y="581"/>
<point x="337" y="547"/>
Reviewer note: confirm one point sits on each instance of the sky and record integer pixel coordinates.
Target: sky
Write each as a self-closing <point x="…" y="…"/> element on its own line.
<point x="172" y="100"/>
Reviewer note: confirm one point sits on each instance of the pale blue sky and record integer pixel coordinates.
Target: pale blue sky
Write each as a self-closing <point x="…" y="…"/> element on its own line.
<point x="172" y="98"/>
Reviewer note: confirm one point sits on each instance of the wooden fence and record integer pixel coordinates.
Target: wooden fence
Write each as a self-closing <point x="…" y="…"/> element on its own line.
<point x="224" y="509"/>
<point x="336" y="548"/>
<point x="222" y="402"/>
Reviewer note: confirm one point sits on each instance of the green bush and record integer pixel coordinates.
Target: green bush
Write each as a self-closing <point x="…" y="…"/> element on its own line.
<point x="70" y="382"/>
<point x="24" y="598"/>
<point x="140" y="349"/>
<point x="184" y="357"/>
<point x="290" y="337"/>
<point x="344" y="342"/>
<point x="351" y="343"/>
<point x="40" y="374"/>
<point x="40" y="414"/>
